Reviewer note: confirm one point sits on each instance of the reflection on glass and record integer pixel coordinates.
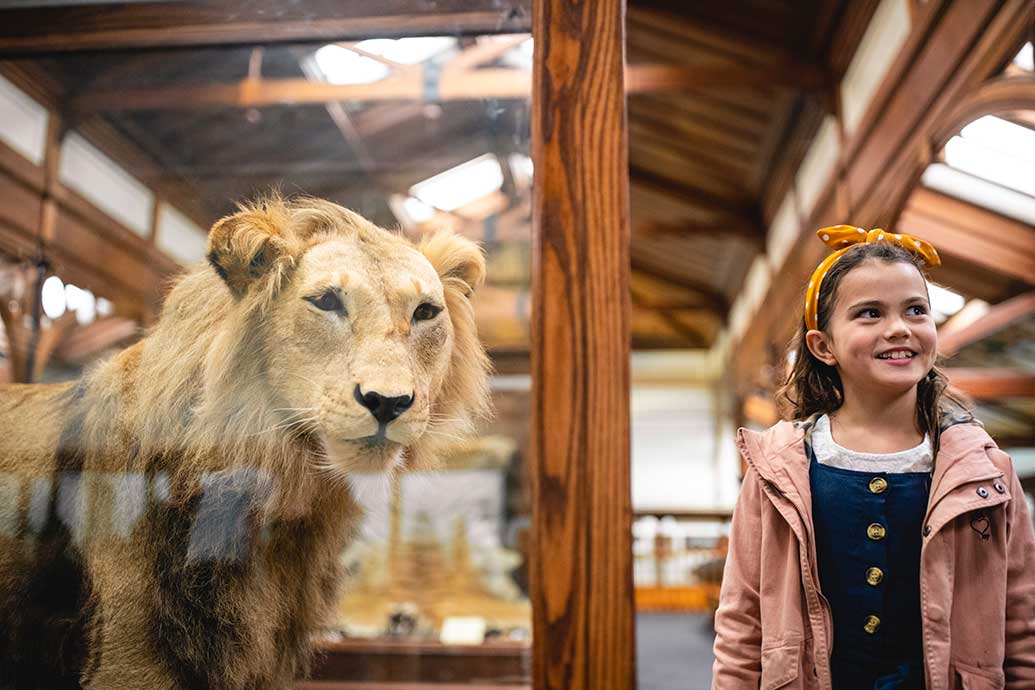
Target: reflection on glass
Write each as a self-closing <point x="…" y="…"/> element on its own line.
<point x="417" y="135"/>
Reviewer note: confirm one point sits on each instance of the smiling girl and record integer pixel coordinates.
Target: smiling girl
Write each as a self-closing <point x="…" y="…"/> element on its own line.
<point x="880" y="541"/>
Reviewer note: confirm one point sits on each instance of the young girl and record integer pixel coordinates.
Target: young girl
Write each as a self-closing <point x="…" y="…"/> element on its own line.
<point x="882" y="540"/>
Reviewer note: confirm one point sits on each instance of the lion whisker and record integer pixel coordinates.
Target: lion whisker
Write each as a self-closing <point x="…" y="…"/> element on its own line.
<point x="284" y="425"/>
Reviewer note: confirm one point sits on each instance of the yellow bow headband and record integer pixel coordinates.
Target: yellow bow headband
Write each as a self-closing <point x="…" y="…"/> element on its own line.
<point x="844" y="237"/>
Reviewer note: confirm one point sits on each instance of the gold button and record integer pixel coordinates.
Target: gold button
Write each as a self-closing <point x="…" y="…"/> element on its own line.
<point x="872" y="624"/>
<point x="876" y="532"/>
<point x="874" y="576"/>
<point x="878" y="485"/>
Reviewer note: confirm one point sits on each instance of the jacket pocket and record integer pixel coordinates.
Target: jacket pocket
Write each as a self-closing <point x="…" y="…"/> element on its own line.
<point x="780" y="666"/>
<point x="974" y="678"/>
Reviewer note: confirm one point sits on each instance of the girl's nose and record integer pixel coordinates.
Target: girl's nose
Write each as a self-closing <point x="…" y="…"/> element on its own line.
<point x="897" y="327"/>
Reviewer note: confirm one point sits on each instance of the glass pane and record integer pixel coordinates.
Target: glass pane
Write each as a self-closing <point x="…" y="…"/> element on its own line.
<point x="199" y="510"/>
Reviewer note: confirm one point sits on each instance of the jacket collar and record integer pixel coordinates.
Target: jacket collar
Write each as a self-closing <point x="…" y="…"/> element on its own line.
<point x="778" y="456"/>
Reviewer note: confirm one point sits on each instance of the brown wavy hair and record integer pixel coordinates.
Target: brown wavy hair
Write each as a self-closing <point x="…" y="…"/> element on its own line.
<point x="813" y="387"/>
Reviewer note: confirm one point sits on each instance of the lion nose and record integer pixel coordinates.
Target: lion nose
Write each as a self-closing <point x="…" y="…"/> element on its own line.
<point x="383" y="408"/>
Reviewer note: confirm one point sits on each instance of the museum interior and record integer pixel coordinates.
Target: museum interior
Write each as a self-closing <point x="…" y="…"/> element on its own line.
<point x="634" y="321"/>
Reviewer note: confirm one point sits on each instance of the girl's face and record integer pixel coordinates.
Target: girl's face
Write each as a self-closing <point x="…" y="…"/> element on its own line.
<point x="880" y="334"/>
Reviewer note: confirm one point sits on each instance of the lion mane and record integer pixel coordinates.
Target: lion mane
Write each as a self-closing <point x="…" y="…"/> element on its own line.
<point x="163" y="523"/>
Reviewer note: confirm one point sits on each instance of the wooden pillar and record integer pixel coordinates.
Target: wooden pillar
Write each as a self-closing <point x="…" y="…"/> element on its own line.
<point x="582" y="587"/>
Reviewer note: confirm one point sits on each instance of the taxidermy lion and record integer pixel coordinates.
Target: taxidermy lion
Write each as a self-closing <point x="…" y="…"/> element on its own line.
<point x="175" y="519"/>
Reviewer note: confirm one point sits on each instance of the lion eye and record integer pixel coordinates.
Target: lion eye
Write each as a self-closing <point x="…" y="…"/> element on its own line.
<point x="426" y="312"/>
<point x="328" y="301"/>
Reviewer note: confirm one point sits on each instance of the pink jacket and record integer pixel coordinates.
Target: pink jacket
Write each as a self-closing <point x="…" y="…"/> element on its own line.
<point x="773" y="628"/>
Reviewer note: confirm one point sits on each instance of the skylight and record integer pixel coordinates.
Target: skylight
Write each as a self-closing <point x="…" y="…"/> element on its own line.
<point x="1024" y="59"/>
<point x="407" y="51"/>
<point x="980" y="192"/>
<point x="53" y="297"/>
<point x="996" y="150"/>
<point x="59" y="298"/>
<point x="340" y="65"/>
<point x="461" y="185"/>
<point x="944" y="302"/>
<point x="410" y="210"/>
<point x="521" y="56"/>
<point x="521" y="168"/>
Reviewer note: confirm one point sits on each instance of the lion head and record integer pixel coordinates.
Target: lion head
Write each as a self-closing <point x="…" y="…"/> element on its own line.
<point x="311" y="325"/>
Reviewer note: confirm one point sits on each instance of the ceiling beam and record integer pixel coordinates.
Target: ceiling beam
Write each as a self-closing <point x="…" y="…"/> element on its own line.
<point x="992" y="384"/>
<point x="714" y="298"/>
<point x="155" y="25"/>
<point x="643" y="177"/>
<point x="85" y="343"/>
<point x="654" y="78"/>
<point x="971" y="233"/>
<point x="695" y="32"/>
<point x="736" y="227"/>
<point x="996" y="319"/>
<point x="404" y="85"/>
<point x="695" y="335"/>
<point x="180" y="190"/>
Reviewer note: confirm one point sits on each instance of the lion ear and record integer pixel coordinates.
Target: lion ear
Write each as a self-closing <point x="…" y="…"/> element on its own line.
<point x="459" y="262"/>
<point x="248" y="246"/>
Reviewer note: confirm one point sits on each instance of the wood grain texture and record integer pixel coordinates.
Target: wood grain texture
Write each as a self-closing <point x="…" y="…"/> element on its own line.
<point x="120" y="26"/>
<point x="582" y="589"/>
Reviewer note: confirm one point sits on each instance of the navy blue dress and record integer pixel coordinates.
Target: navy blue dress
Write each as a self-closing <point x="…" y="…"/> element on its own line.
<point x="868" y="539"/>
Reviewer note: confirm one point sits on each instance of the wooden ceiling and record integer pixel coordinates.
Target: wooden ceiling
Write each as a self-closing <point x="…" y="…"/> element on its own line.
<point x="705" y="162"/>
<point x="724" y="99"/>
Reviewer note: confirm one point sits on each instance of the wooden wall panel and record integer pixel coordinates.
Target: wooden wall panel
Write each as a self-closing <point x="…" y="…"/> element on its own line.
<point x="582" y="589"/>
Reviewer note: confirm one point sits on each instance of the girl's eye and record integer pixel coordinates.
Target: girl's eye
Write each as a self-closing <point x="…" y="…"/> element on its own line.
<point x="328" y="301"/>
<point x="426" y="312"/>
<point x="869" y="314"/>
<point x="918" y="310"/>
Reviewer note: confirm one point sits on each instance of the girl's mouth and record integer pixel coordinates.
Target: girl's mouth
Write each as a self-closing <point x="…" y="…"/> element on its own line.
<point x="897" y="356"/>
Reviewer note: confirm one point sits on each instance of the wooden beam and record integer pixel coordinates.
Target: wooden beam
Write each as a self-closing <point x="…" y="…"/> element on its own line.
<point x="85" y="343"/>
<point x="996" y="319"/>
<point x="1003" y="95"/>
<point x="734" y="227"/>
<point x="88" y="247"/>
<point x="972" y="233"/>
<point x="715" y="299"/>
<point x="582" y="587"/>
<point x="181" y="191"/>
<point x="641" y="176"/>
<point x="694" y="335"/>
<point x="985" y="35"/>
<point x="992" y="384"/>
<point x="653" y="78"/>
<point x="695" y="32"/>
<point x="404" y="85"/>
<point x="152" y="25"/>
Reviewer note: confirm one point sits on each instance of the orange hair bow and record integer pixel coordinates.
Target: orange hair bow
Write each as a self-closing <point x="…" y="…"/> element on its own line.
<point x="844" y="237"/>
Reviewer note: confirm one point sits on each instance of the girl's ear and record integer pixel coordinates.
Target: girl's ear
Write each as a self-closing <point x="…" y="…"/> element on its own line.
<point x="819" y="346"/>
